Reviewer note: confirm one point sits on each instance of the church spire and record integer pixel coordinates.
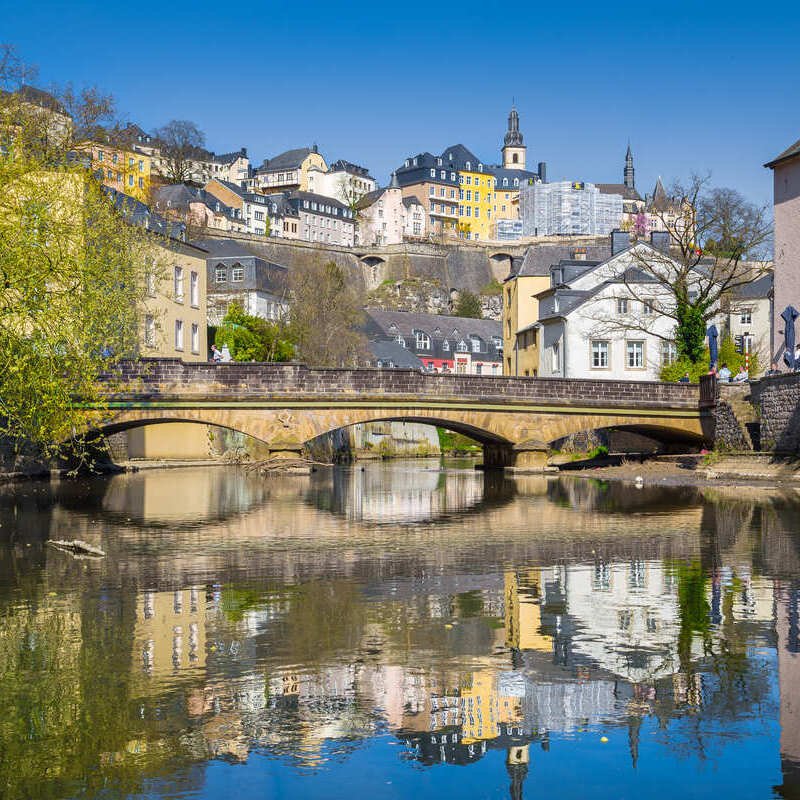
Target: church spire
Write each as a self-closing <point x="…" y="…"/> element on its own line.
<point x="628" y="173"/>
<point x="513" y="136"/>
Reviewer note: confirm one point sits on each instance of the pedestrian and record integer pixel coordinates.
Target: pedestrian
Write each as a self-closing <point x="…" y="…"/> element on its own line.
<point x="725" y="374"/>
<point x="773" y="370"/>
<point x="685" y="378"/>
<point x="742" y="376"/>
<point x="216" y="356"/>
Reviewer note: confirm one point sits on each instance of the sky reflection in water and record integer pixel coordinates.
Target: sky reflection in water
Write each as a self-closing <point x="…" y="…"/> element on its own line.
<point x="398" y="631"/>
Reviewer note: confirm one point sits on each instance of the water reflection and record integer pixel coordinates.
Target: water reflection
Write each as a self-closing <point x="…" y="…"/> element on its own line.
<point x="340" y="635"/>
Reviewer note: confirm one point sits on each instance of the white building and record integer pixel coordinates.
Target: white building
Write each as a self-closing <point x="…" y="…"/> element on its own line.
<point x="601" y="320"/>
<point x="568" y="208"/>
<point x="381" y="216"/>
<point x="323" y="219"/>
<point x="414" y="218"/>
<point x="342" y="181"/>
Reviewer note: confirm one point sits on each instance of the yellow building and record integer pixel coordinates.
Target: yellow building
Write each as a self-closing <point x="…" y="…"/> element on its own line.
<point x="484" y="709"/>
<point x="475" y="205"/>
<point x="174" y="324"/>
<point x="524" y="612"/>
<point x="520" y="315"/>
<point x="169" y="635"/>
<point x="126" y="170"/>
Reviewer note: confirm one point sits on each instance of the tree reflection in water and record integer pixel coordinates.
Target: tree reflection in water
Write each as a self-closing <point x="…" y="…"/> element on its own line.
<point x="301" y="626"/>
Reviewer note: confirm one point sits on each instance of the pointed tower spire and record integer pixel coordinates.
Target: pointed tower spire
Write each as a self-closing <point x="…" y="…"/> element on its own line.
<point x="628" y="173"/>
<point x="513" y="147"/>
<point x="394" y="183"/>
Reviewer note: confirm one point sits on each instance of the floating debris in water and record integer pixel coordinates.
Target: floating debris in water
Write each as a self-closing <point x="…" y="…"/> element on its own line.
<point x="77" y="548"/>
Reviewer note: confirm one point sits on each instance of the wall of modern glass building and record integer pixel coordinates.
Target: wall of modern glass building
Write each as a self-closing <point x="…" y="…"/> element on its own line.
<point x="568" y="207"/>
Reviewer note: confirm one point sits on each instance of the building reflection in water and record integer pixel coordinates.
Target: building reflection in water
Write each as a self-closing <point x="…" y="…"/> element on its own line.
<point x="532" y="619"/>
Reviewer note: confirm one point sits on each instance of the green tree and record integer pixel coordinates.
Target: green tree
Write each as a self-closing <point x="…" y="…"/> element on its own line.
<point x="467" y="305"/>
<point x="325" y="315"/>
<point x="712" y="234"/>
<point x="72" y="272"/>
<point x="251" y="338"/>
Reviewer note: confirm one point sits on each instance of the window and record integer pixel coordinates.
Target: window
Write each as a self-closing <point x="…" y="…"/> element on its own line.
<point x="476" y="344"/>
<point x="141" y="183"/>
<point x="423" y="341"/>
<point x="599" y="354"/>
<point x="622" y="305"/>
<point x="194" y="290"/>
<point x="746" y="316"/>
<point x="433" y="173"/>
<point x="446" y="345"/>
<point x="237" y="274"/>
<point x="556" y="357"/>
<point x="469" y="194"/>
<point x="130" y="180"/>
<point x="141" y="165"/>
<point x="221" y="274"/>
<point x="179" y="334"/>
<point x="178" y="284"/>
<point x="195" y="338"/>
<point x="647" y="307"/>
<point x="669" y="353"/>
<point x="432" y="191"/>
<point x="400" y="340"/>
<point x="462" y="347"/>
<point x="100" y="155"/>
<point x="634" y="355"/>
<point x="477" y="196"/>
<point x="149" y="331"/>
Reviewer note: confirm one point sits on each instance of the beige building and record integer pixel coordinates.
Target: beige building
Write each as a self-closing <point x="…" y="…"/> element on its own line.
<point x="288" y="171"/>
<point x="381" y="216"/>
<point x="786" y="199"/>
<point x="174" y="324"/>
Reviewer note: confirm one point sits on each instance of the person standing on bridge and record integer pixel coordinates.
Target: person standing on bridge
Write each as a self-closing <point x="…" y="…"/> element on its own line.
<point x="216" y="356"/>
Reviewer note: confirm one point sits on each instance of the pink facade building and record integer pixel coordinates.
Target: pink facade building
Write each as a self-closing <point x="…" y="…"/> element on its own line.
<point x="786" y="176"/>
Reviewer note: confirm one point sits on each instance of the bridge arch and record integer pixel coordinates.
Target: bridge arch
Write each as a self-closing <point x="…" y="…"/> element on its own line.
<point x="500" y="264"/>
<point x="374" y="269"/>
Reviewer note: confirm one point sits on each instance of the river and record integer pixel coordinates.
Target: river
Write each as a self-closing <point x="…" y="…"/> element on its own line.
<point x="401" y="630"/>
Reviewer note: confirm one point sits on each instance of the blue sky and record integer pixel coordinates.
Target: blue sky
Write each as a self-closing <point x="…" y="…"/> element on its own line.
<point x="696" y="86"/>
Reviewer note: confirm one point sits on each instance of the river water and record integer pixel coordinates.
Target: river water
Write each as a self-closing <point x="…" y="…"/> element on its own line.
<point x="402" y="630"/>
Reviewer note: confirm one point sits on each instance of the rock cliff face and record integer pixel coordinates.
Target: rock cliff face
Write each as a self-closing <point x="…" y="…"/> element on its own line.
<point x="427" y="296"/>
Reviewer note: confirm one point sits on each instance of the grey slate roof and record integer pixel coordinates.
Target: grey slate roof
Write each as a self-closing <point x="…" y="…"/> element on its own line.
<point x="627" y="192"/>
<point x="296" y="200"/>
<point x="41" y="98"/>
<point x="539" y="258"/>
<point x="413" y="200"/>
<point x="790" y="152"/>
<point x="369" y="198"/>
<point x="347" y="166"/>
<point x="522" y="176"/>
<point x="393" y="355"/>
<point x="758" y="289"/>
<point x="291" y="159"/>
<point x="137" y="213"/>
<point x="223" y="248"/>
<point x="229" y="158"/>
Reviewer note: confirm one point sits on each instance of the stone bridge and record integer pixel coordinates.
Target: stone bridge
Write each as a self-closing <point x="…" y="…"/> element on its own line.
<point x="286" y="405"/>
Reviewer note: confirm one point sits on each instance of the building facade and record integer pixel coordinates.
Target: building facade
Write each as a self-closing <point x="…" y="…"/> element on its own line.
<point x="235" y="274"/>
<point x="120" y="168"/>
<point x="443" y="344"/>
<point x="342" y="181"/>
<point x="414" y="218"/>
<point x="287" y="171"/>
<point x="323" y="219"/>
<point x="786" y="199"/>
<point x="381" y="216"/>
<point x="568" y="208"/>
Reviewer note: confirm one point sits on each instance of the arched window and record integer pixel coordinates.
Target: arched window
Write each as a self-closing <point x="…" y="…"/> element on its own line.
<point x="505" y="181"/>
<point x="516" y="181"/>
<point x="462" y="347"/>
<point x="515" y="158"/>
<point x="468" y="166"/>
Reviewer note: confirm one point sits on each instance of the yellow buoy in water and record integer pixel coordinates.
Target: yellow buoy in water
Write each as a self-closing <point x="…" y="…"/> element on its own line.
<point x="604" y="739"/>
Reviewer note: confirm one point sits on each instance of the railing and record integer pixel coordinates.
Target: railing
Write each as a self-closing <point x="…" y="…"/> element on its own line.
<point x="709" y="391"/>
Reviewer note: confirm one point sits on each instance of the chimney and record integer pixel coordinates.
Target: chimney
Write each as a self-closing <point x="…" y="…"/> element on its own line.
<point x="620" y="240"/>
<point x="660" y="240"/>
<point x="543" y="171"/>
<point x="579" y="254"/>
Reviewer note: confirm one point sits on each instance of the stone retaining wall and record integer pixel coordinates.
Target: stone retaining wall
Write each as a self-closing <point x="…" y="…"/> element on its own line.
<point x="778" y="400"/>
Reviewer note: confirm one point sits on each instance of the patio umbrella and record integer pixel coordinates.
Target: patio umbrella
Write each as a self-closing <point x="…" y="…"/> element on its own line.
<point x="789" y="314"/>
<point x="713" y="349"/>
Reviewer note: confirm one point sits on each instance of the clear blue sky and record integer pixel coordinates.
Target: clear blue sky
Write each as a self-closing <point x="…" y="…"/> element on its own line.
<point x="705" y="86"/>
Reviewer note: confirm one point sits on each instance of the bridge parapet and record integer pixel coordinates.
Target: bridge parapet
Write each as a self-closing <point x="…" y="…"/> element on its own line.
<point x="167" y="379"/>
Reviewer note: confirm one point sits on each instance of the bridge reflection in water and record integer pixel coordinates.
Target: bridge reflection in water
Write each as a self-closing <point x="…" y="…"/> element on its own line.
<point x="286" y="627"/>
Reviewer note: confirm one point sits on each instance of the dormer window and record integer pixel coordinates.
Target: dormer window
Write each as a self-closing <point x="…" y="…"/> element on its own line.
<point x="516" y="181"/>
<point x="400" y="340"/>
<point x="438" y="162"/>
<point x="407" y="162"/>
<point x="433" y="173"/>
<point x="446" y="345"/>
<point x="462" y="347"/>
<point x="505" y="181"/>
<point x="449" y="156"/>
<point x="468" y="166"/>
<point x="422" y="340"/>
